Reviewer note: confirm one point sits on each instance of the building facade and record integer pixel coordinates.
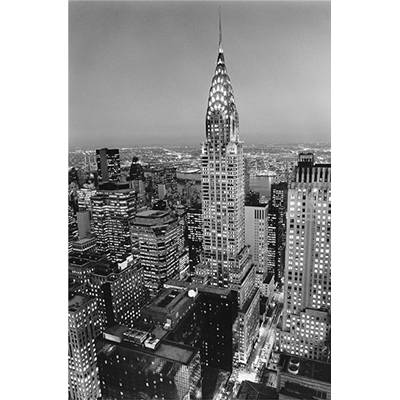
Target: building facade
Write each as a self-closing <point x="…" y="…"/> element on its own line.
<point x="256" y="236"/>
<point x="277" y="229"/>
<point x="157" y="233"/>
<point x="108" y="165"/>
<point x="307" y="291"/>
<point x="225" y="253"/>
<point x="140" y="364"/>
<point x="112" y="214"/>
<point x="83" y="328"/>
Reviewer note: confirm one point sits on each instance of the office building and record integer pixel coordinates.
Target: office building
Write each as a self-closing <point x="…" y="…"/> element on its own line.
<point x="118" y="289"/>
<point x="256" y="235"/>
<point x="277" y="229"/>
<point x="108" y="165"/>
<point x="194" y="236"/>
<point x="112" y="212"/>
<point x="83" y="328"/>
<point x="138" y="363"/>
<point x="72" y="228"/>
<point x="83" y="222"/>
<point x="223" y="206"/>
<point x="307" y="290"/>
<point x="84" y="246"/>
<point x="157" y="233"/>
<point x="201" y="316"/>
<point x="84" y="196"/>
<point x="301" y="378"/>
<point x="161" y="183"/>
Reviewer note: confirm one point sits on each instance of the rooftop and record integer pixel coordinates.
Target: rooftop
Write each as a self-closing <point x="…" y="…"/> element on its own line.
<point x="152" y="214"/>
<point x="167" y="350"/>
<point x="307" y="368"/>
<point x="77" y="301"/>
<point x="256" y="391"/>
<point x="173" y="283"/>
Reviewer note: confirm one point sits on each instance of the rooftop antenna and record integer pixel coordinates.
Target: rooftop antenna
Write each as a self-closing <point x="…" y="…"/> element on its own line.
<point x="220" y="30"/>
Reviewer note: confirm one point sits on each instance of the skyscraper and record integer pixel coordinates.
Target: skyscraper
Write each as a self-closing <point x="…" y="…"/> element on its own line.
<point x="222" y="179"/>
<point x="112" y="212"/>
<point x="256" y="231"/>
<point x="277" y="229"/>
<point x="119" y="291"/>
<point x="108" y="165"/>
<point x="225" y="253"/>
<point x="307" y="292"/>
<point x="83" y="328"/>
<point x="158" y="240"/>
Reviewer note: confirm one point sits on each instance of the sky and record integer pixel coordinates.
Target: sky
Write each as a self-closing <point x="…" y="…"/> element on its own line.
<point x="140" y="72"/>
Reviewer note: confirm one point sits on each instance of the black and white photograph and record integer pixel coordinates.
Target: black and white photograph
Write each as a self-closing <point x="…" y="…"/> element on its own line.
<point x="171" y="227"/>
<point x="199" y="200"/>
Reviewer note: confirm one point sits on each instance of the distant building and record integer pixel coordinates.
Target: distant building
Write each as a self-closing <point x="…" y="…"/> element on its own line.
<point x="72" y="228"/>
<point x="84" y="196"/>
<point x="301" y="378"/>
<point x="307" y="291"/>
<point x="139" y="363"/>
<point x="137" y="180"/>
<point x="112" y="212"/>
<point x="108" y="165"/>
<point x="83" y="328"/>
<point x="83" y="222"/>
<point x="161" y="182"/>
<point x="158" y="235"/>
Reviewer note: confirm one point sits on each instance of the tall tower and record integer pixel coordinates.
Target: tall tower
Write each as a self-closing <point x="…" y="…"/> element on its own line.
<point x="307" y="292"/>
<point x="223" y="200"/>
<point x="222" y="178"/>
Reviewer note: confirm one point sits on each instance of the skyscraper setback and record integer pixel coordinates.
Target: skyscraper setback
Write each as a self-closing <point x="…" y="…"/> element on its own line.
<point x="307" y="292"/>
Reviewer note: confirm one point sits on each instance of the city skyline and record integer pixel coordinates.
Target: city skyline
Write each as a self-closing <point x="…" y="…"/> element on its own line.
<point x="189" y="258"/>
<point x="279" y="52"/>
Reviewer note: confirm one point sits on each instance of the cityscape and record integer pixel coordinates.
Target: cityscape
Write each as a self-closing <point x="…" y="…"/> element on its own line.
<point x="200" y="272"/>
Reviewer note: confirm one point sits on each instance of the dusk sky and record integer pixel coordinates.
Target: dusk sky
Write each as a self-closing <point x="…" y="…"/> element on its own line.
<point x="139" y="72"/>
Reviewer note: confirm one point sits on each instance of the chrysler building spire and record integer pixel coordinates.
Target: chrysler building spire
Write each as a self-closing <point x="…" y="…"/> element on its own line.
<point x="220" y="31"/>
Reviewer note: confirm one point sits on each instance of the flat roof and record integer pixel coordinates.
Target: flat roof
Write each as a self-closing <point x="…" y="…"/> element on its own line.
<point x="77" y="301"/>
<point x="201" y="287"/>
<point x="84" y="240"/>
<point x="168" y="350"/>
<point x="152" y="213"/>
<point x="311" y="369"/>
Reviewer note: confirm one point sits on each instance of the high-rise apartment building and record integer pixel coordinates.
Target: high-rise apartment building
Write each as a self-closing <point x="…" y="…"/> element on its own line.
<point x="157" y="233"/>
<point x="108" y="165"/>
<point x="83" y="328"/>
<point x="112" y="213"/>
<point x="223" y="205"/>
<point x="307" y="291"/>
